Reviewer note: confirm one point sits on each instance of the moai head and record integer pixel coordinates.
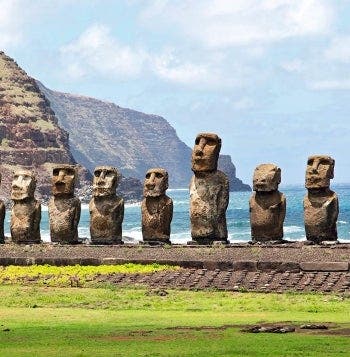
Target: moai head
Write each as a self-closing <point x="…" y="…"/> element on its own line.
<point x="319" y="171"/>
<point x="105" y="181"/>
<point x="23" y="185"/>
<point x="63" y="180"/>
<point x="156" y="183"/>
<point x="205" y="153"/>
<point x="266" y="178"/>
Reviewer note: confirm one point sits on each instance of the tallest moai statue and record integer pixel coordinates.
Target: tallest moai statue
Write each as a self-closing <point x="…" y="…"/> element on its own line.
<point x="209" y="192"/>
<point x="321" y="206"/>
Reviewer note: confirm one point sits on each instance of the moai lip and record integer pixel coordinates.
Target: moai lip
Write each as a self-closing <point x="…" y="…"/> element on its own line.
<point x="209" y="192"/>
<point x="26" y="210"/>
<point x="64" y="207"/>
<point x="106" y="208"/>
<point x="321" y="206"/>
<point x="267" y="205"/>
<point x="156" y="208"/>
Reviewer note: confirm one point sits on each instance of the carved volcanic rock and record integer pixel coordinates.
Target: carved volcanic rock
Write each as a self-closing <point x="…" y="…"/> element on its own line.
<point x="125" y="138"/>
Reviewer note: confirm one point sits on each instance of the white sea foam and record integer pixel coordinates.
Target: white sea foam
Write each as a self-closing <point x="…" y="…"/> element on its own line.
<point x="342" y="222"/>
<point x="293" y="229"/>
<point x="177" y="189"/>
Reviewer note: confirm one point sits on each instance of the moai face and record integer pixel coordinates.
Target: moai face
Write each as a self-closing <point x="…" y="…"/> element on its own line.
<point x="205" y="152"/>
<point x="105" y="181"/>
<point x="156" y="182"/>
<point x="63" y="180"/>
<point x="23" y="185"/>
<point x="266" y="178"/>
<point x="319" y="171"/>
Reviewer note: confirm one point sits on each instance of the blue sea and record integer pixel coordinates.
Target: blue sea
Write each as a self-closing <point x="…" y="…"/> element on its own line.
<point x="237" y="216"/>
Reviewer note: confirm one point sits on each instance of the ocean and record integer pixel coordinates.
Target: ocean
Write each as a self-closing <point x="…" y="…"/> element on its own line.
<point x="237" y="216"/>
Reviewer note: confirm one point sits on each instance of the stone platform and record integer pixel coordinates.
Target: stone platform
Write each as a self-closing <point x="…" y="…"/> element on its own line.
<point x="236" y="267"/>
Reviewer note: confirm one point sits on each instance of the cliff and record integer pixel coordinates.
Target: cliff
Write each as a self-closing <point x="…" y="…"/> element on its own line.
<point x="104" y="133"/>
<point x="30" y="136"/>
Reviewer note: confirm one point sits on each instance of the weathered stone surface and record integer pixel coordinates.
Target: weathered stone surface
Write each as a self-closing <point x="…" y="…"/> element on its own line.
<point x="209" y="192"/>
<point x="2" y="218"/>
<point x="106" y="208"/>
<point x="321" y="205"/>
<point x="64" y="207"/>
<point x="267" y="205"/>
<point x="26" y="210"/>
<point x="324" y="266"/>
<point x="156" y="207"/>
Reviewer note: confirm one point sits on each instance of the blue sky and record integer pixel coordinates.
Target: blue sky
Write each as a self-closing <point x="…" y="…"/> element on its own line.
<point x="271" y="77"/>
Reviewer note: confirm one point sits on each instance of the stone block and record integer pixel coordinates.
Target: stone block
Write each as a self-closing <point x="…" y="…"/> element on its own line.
<point x="324" y="266"/>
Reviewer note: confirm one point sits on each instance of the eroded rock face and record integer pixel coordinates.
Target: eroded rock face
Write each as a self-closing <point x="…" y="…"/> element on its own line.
<point x="156" y="207"/>
<point x="267" y="205"/>
<point x="26" y="210"/>
<point x="2" y="218"/>
<point x="106" y="208"/>
<point x="321" y="207"/>
<point x="64" y="207"/>
<point x="209" y="192"/>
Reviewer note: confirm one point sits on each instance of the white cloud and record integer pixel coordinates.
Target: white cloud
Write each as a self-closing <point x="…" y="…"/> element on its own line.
<point x="226" y="23"/>
<point x="339" y="49"/>
<point x="98" y="51"/>
<point x="10" y="23"/>
<point x="332" y="84"/>
<point x="295" y="65"/>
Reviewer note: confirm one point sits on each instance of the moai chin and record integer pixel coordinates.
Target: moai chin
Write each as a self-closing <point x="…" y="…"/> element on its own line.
<point x="156" y="207"/>
<point x="26" y="210"/>
<point x="2" y="219"/>
<point x="64" y="207"/>
<point x="267" y="205"/>
<point x="106" y="208"/>
<point x="209" y="192"/>
<point x="321" y="205"/>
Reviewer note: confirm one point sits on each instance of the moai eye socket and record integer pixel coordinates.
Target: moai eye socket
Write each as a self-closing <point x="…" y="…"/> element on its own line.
<point x="198" y="139"/>
<point x="70" y="172"/>
<point x="148" y="175"/>
<point x="15" y="177"/>
<point x="97" y="173"/>
<point x="109" y="174"/>
<point x="159" y="175"/>
<point x="310" y="162"/>
<point x="211" y="142"/>
<point x="56" y="172"/>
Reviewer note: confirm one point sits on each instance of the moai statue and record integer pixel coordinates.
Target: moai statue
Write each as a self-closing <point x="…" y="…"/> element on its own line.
<point x="106" y="208"/>
<point x="321" y="206"/>
<point x="2" y="218"/>
<point x="64" y="207"/>
<point x="209" y="192"/>
<point x="26" y="210"/>
<point x="156" y="208"/>
<point x="267" y="205"/>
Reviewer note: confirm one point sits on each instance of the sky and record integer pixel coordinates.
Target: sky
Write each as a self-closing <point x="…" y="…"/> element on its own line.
<point x="270" y="77"/>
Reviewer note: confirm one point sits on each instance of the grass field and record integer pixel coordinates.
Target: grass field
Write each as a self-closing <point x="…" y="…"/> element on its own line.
<point x="110" y="321"/>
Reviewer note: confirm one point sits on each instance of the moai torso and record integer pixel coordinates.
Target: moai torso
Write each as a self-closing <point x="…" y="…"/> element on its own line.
<point x="209" y="192"/>
<point x="156" y="207"/>
<point x="2" y="219"/>
<point x="26" y="210"/>
<point x="321" y="205"/>
<point x="106" y="209"/>
<point x="64" y="207"/>
<point x="267" y="205"/>
<point x="64" y="216"/>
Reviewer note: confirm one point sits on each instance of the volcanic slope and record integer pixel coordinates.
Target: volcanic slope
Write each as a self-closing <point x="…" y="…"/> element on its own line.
<point x="131" y="140"/>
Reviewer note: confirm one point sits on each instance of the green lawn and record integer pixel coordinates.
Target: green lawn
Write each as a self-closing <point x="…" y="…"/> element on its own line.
<point x="110" y="321"/>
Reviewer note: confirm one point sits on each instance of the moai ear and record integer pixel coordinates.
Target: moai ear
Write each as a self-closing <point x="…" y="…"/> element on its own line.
<point x="278" y="175"/>
<point x="331" y="170"/>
